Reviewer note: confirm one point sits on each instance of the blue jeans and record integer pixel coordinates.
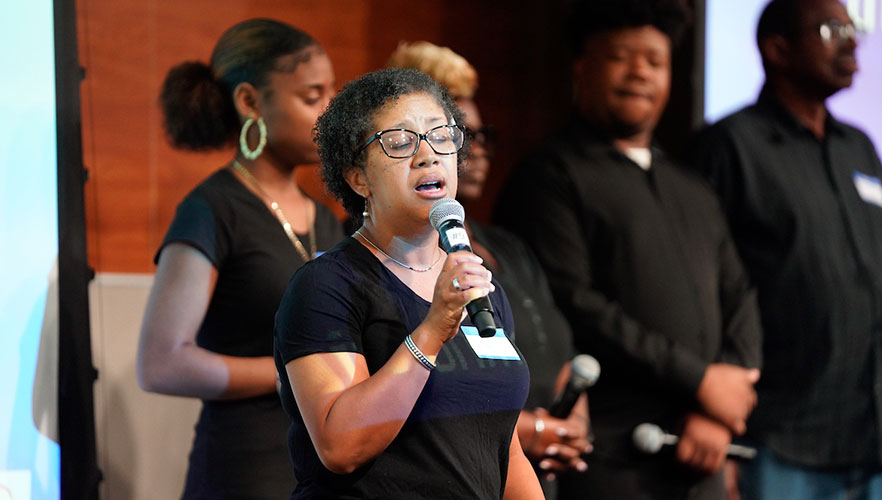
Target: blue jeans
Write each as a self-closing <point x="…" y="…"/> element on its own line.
<point x="768" y="478"/>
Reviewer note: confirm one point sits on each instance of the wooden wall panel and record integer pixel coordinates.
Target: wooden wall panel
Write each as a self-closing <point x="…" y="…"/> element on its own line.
<point x="126" y="48"/>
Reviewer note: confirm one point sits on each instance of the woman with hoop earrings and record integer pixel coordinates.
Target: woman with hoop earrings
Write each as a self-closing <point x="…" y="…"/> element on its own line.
<point x="234" y="242"/>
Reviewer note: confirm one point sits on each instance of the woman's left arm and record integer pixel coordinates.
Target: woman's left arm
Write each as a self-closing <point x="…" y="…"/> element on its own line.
<point x="521" y="482"/>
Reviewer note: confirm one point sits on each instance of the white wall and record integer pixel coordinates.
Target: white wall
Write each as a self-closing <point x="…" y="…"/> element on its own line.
<point x="143" y="439"/>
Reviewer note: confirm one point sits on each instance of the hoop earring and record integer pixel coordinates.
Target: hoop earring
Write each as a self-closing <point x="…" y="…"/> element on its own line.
<point x="243" y="139"/>
<point x="366" y="214"/>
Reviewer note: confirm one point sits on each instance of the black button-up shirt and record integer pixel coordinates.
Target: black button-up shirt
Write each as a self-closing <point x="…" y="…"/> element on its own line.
<point x="643" y="266"/>
<point x="807" y="220"/>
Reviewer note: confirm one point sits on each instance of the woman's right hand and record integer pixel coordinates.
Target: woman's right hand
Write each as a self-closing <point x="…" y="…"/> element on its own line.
<point x="465" y="270"/>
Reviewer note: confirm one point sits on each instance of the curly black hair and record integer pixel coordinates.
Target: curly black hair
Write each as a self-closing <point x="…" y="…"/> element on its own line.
<point x="589" y="17"/>
<point x="348" y="122"/>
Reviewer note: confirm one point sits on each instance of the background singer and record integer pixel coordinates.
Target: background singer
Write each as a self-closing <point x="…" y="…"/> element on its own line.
<point x="640" y="260"/>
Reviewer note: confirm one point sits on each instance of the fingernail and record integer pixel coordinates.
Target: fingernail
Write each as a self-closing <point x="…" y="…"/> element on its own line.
<point x="550" y="477"/>
<point x="551" y="450"/>
<point x="581" y="466"/>
<point x="545" y="464"/>
<point x="560" y="431"/>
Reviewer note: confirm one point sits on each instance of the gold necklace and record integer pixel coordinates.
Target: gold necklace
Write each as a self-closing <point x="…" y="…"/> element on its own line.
<point x="281" y="216"/>
<point x="402" y="264"/>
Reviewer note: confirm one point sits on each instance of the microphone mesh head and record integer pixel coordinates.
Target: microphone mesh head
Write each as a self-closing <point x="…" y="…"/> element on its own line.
<point x="648" y="437"/>
<point x="585" y="371"/>
<point x="446" y="209"/>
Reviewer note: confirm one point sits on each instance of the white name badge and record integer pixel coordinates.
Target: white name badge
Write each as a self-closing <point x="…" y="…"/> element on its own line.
<point x="869" y="188"/>
<point x="496" y="347"/>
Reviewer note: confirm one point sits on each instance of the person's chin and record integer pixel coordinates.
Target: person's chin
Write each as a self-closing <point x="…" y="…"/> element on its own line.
<point x="839" y="82"/>
<point x="627" y="126"/>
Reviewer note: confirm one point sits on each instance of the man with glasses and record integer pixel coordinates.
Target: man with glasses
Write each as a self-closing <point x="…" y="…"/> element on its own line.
<point x="640" y="261"/>
<point x="803" y="196"/>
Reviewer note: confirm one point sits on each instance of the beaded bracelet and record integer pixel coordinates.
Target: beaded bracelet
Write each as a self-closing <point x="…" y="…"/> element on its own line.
<point x="418" y="354"/>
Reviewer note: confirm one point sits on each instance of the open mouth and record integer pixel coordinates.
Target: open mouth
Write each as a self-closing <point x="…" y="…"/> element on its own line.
<point x="429" y="186"/>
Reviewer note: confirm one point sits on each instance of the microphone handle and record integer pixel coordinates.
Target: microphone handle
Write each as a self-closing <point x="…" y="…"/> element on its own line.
<point x="455" y="239"/>
<point x="564" y="403"/>
<point x="481" y="313"/>
<point x="741" y="451"/>
<point x="733" y="450"/>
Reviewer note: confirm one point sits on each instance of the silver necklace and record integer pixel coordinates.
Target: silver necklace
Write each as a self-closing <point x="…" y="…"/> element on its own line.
<point x="402" y="264"/>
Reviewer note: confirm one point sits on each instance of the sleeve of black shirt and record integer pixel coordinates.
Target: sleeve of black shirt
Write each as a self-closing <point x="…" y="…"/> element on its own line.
<point x="542" y="205"/>
<point x="715" y="159"/>
<point x="742" y="330"/>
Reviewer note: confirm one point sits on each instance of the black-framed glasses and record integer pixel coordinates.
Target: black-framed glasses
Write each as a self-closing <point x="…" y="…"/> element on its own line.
<point x="402" y="143"/>
<point x="835" y="32"/>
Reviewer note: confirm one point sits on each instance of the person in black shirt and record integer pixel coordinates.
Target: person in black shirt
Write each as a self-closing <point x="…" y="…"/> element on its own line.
<point x="389" y="395"/>
<point x="803" y="195"/>
<point x="640" y="260"/>
<point x="235" y="241"/>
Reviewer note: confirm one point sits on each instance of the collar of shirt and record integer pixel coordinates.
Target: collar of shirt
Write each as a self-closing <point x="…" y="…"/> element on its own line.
<point x="590" y="137"/>
<point x="641" y="156"/>
<point x="786" y="121"/>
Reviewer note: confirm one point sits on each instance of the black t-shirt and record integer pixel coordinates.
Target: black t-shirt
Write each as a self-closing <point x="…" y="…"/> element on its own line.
<point x="455" y="443"/>
<point x="239" y="450"/>
<point x="253" y="256"/>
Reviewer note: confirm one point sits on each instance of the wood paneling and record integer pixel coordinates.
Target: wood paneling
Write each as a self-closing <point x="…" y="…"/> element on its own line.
<point x="136" y="179"/>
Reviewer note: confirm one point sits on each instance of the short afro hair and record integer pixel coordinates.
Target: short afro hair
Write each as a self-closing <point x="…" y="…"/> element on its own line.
<point x="779" y="17"/>
<point x="589" y="17"/>
<point x="348" y="122"/>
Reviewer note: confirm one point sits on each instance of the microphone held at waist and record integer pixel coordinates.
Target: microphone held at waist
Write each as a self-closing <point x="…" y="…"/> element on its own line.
<point x="447" y="216"/>
<point x="649" y="438"/>
<point x="584" y="371"/>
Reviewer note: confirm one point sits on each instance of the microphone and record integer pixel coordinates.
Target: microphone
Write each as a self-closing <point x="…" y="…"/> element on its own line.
<point x="649" y="438"/>
<point x="584" y="371"/>
<point x="447" y="216"/>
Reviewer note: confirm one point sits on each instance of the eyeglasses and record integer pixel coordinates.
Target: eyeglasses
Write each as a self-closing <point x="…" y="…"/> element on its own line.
<point x="833" y="31"/>
<point x="402" y="143"/>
